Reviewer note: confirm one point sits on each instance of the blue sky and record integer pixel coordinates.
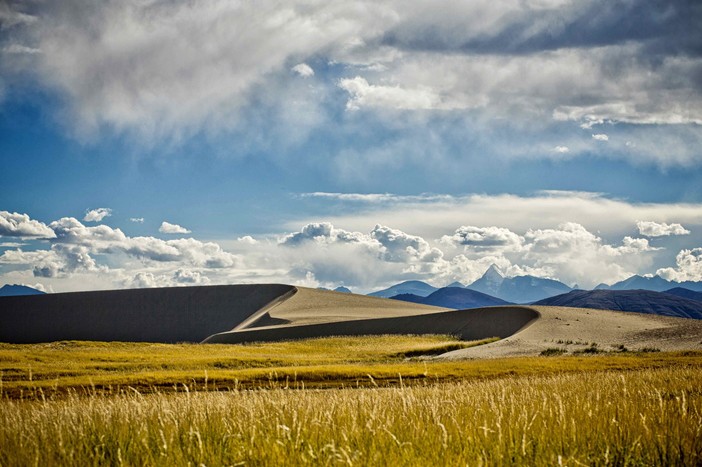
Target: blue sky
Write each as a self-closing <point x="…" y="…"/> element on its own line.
<point x="348" y="143"/>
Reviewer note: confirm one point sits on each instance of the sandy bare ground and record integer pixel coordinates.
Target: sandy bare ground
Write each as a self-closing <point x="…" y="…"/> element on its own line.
<point x="525" y="330"/>
<point x="311" y="306"/>
<point x="578" y="328"/>
<point x="269" y="312"/>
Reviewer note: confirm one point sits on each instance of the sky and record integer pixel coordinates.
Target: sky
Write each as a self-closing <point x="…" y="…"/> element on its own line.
<point x="148" y="143"/>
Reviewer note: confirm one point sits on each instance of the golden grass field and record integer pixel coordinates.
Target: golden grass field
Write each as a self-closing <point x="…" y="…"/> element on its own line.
<point x="562" y="386"/>
<point x="382" y="403"/>
<point x="48" y="370"/>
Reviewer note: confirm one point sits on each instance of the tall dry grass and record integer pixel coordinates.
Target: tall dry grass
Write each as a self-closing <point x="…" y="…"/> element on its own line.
<point x="641" y="417"/>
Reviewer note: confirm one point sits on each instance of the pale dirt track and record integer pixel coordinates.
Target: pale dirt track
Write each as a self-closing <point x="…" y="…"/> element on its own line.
<point x="578" y="328"/>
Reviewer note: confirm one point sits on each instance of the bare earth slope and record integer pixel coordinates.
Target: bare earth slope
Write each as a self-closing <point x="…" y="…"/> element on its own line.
<point x="177" y="314"/>
<point x="311" y="306"/>
<point x="575" y="329"/>
<point x="471" y="324"/>
<point x="245" y="313"/>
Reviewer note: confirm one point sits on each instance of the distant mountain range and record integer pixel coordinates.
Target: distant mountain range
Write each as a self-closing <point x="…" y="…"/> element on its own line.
<point x="454" y="297"/>
<point x="655" y="283"/>
<point x="640" y="301"/>
<point x="519" y="289"/>
<point x="530" y="289"/>
<point x="15" y="290"/>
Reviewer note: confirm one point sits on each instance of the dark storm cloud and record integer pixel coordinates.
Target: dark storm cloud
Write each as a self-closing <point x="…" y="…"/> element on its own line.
<point x="662" y="27"/>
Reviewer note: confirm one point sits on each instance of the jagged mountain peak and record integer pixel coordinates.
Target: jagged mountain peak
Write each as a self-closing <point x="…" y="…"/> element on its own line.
<point x="493" y="272"/>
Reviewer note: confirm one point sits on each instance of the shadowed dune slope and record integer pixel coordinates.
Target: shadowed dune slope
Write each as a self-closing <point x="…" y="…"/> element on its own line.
<point x="473" y="324"/>
<point x="176" y="314"/>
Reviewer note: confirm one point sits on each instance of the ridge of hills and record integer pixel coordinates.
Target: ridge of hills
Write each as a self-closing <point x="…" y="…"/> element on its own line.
<point x="654" y="283"/>
<point x="685" y="293"/>
<point x="639" y="301"/>
<point x="454" y="297"/>
<point x="530" y="289"/>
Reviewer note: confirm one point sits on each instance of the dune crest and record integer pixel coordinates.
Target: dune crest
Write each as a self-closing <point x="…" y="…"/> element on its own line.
<point x="271" y="312"/>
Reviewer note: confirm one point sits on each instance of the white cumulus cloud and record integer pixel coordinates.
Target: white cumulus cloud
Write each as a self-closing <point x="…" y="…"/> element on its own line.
<point x="168" y="228"/>
<point x="14" y="224"/>
<point x="689" y="266"/>
<point x="303" y="70"/>
<point x="363" y="94"/>
<point x="600" y="137"/>
<point x="655" y="229"/>
<point x="484" y="238"/>
<point x="97" y="215"/>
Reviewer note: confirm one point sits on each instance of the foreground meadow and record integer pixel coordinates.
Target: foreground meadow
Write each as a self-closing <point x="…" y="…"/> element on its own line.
<point x="52" y="370"/>
<point x="638" y="417"/>
<point x="345" y="400"/>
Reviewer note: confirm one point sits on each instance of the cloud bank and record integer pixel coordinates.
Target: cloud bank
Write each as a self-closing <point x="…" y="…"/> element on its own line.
<point x="68" y="255"/>
<point x="168" y="71"/>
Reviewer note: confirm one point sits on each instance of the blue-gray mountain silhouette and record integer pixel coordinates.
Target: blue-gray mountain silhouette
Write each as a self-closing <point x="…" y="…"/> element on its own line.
<point x="655" y="283"/>
<point x="8" y="290"/>
<point x="519" y="289"/>
<point x="640" y="301"/>
<point x="409" y="287"/>
<point x="454" y="297"/>
<point x="685" y="293"/>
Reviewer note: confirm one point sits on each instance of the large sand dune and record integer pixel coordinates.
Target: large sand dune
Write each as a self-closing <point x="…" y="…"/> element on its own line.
<point x="473" y="324"/>
<point x="180" y="314"/>
<point x="525" y="330"/>
<point x="245" y="313"/>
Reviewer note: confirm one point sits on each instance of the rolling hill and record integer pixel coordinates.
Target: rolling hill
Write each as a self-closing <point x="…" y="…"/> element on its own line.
<point x="640" y="301"/>
<point x="454" y="297"/>
<point x="654" y="283"/>
<point x="685" y="293"/>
